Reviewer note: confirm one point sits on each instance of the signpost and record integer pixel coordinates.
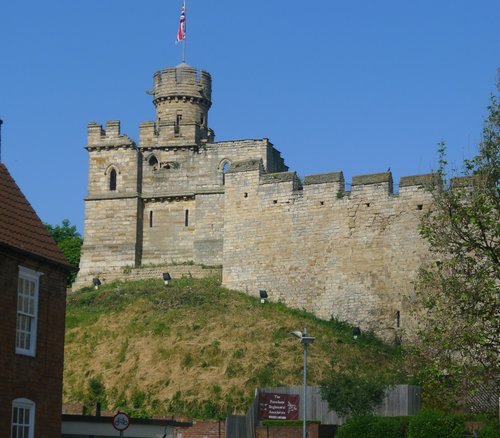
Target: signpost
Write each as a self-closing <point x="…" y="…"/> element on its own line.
<point x="274" y="406"/>
<point x="121" y="421"/>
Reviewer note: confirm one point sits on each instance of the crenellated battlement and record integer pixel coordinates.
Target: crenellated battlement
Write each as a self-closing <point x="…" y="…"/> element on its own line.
<point x="374" y="182"/>
<point x="324" y="178"/>
<point x="332" y="185"/>
<point x="182" y="97"/>
<point x="168" y="134"/>
<point x="97" y="137"/>
<point x="183" y="82"/>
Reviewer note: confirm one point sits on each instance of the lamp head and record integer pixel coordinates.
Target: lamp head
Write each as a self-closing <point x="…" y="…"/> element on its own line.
<point x="304" y="339"/>
<point x="166" y="278"/>
<point x="96" y="282"/>
<point x="263" y="296"/>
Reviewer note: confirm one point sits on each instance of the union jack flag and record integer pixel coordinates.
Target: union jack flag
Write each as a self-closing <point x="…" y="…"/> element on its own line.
<point x="181" y="33"/>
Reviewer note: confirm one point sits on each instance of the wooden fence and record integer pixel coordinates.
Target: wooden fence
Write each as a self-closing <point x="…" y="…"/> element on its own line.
<point x="400" y="400"/>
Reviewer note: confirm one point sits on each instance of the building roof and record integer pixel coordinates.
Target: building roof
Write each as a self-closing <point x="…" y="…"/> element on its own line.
<point x="20" y="226"/>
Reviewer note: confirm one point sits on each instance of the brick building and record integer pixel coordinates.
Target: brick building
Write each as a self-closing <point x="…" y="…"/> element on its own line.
<point x="33" y="273"/>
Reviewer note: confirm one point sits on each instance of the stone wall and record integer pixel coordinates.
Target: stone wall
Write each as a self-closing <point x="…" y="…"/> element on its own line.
<point x="129" y="273"/>
<point x="111" y="234"/>
<point x="209" y="232"/>
<point x="168" y="231"/>
<point x="350" y="255"/>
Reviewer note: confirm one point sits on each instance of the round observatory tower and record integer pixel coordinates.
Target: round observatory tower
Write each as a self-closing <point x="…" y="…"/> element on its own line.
<point x="182" y="97"/>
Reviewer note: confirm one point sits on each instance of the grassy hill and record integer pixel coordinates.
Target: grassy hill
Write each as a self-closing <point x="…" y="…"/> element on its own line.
<point x="195" y="348"/>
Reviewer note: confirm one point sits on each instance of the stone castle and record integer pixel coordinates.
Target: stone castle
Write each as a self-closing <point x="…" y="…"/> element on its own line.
<point x="178" y="196"/>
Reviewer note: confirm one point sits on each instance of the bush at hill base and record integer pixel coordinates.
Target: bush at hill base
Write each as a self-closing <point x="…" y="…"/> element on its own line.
<point x="490" y="430"/>
<point x="369" y="426"/>
<point x="435" y="424"/>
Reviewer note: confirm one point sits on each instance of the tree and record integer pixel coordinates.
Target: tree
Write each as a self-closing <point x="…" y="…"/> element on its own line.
<point x="70" y="241"/>
<point x="352" y="393"/>
<point x="459" y="336"/>
<point x="96" y="394"/>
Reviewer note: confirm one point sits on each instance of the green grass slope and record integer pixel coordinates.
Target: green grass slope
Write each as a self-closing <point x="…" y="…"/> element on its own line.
<point x="195" y="348"/>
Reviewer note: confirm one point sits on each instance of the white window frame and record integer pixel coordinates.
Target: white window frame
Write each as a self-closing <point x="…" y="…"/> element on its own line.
<point x="26" y="274"/>
<point x="25" y="404"/>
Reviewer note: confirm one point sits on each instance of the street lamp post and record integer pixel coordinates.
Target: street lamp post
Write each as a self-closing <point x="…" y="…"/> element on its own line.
<point x="1" y="123"/>
<point x="305" y="340"/>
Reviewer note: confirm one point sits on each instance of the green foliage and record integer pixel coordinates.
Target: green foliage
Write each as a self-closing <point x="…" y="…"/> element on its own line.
<point x="62" y="232"/>
<point x="350" y="392"/>
<point x="70" y="242"/>
<point x="187" y="360"/>
<point x="211" y="355"/>
<point x="202" y="409"/>
<point x="123" y="350"/>
<point x="435" y="424"/>
<point x="135" y="405"/>
<point x="137" y="398"/>
<point x="264" y="376"/>
<point x="368" y="426"/>
<point x="239" y="353"/>
<point x="288" y="422"/>
<point x="234" y="369"/>
<point x="367" y="338"/>
<point x="96" y="392"/>
<point x="491" y="430"/>
<point x="459" y="289"/>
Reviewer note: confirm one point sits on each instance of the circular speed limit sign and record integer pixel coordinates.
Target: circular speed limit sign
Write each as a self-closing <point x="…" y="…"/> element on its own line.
<point x="121" y="421"/>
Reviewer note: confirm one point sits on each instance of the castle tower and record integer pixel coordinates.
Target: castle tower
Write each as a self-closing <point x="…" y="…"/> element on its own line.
<point x="174" y="154"/>
<point x="113" y="207"/>
<point x="182" y="97"/>
<point x="162" y="200"/>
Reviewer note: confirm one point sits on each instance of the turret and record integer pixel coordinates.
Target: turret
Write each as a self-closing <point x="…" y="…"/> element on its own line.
<point x="182" y="97"/>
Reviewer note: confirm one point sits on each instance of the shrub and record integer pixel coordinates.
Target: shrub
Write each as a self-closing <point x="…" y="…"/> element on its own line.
<point x="490" y="430"/>
<point x="288" y="422"/>
<point x="187" y="360"/>
<point x="368" y="426"/>
<point x="350" y="393"/>
<point x="435" y="424"/>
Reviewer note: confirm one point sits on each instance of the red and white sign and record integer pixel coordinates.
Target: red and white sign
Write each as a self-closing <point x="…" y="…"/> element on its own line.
<point x="121" y="421"/>
<point x="278" y="406"/>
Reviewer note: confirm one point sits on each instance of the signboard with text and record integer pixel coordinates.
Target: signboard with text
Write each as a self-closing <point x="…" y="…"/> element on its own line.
<point x="274" y="406"/>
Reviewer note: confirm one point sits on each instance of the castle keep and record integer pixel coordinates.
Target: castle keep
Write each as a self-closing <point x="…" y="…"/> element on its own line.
<point x="180" y="196"/>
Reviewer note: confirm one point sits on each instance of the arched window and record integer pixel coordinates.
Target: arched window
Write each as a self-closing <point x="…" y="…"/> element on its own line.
<point x="153" y="161"/>
<point x="112" y="180"/>
<point x="23" y="418"/>
<point x="225" y="167"/>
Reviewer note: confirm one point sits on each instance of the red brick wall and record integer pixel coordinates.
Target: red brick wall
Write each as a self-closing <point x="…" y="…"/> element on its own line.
<point x="36" y="378"/>
<point x="286" y="431"/>
<point x="202" y="429"/>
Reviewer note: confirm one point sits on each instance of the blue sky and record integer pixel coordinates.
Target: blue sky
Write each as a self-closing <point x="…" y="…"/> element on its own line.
<point x="357" y="85"/>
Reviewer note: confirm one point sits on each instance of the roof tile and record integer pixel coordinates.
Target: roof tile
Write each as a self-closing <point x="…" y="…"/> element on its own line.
<point x="20" y="226"/>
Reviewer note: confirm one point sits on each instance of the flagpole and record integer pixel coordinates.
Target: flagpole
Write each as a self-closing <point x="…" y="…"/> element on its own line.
<point x="185" y="35"/>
